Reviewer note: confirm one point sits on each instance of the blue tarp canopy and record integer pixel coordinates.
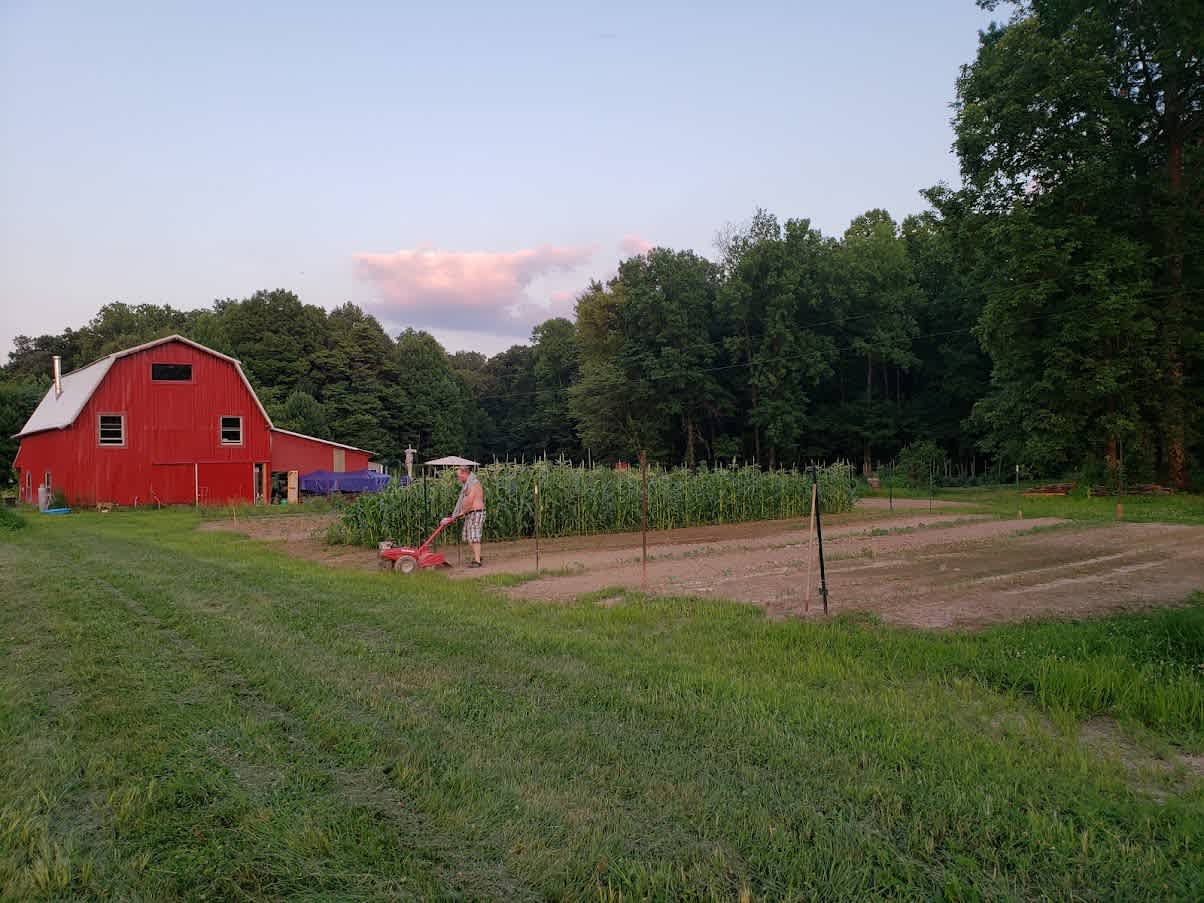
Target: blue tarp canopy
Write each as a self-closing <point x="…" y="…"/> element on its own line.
<point x="324" y="481"/>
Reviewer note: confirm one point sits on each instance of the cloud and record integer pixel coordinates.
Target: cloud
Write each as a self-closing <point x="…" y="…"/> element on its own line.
<point x="634" y="246"/>
<point x="475" y="290"/>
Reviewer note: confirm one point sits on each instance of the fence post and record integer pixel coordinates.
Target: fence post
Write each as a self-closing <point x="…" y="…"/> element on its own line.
<point x="819" y="538"/>
<point x="1019" y="509"/>
<point x="644" y="521"/>
<point x="1120" y="470"/>
<point x="810" y="537"/>
<point x="538" y="511"/>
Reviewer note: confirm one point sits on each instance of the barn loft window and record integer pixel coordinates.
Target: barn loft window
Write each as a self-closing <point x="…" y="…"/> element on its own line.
<point x="171" y="373"/>
<point x="231" y="431"/>
<point x="110" y="429"/>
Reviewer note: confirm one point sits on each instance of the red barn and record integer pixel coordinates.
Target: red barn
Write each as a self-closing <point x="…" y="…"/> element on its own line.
<point x="169" y="422"/>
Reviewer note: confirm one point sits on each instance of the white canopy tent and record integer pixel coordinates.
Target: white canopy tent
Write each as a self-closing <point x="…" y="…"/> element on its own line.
<point x="451" y="461"/>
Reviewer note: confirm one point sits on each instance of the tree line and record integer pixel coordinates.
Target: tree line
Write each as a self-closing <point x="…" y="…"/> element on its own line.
<point x="1049" y="312"/>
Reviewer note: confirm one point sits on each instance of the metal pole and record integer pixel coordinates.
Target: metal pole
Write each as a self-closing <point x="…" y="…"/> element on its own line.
<point x="1120" y="468"/>
<point x="810" y="539"/>
<point x="644" y="521"/>
<point x="819" y="538"/>
<point x="1019" y="509"/>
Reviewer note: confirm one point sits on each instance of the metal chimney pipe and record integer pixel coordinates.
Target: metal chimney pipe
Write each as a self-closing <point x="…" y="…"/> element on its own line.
<point x="58" y="376"/>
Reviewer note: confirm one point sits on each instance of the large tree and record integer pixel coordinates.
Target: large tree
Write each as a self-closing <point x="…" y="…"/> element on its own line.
<point x="876" y="302"/>
<point x="1080" y="130"/>
<point x="649" y="342"/>
<point x="554" y="361"/>
<point x="952" y="372"/>
<point x="776" y="287"/>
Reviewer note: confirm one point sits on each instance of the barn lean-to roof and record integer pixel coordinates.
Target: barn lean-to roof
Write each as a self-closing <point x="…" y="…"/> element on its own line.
<point x="277" y="429"/>
<point x="57" y="412"/>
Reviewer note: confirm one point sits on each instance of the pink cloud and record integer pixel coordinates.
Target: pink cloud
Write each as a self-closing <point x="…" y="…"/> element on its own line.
<point x="634" y="246"/>
<point x="426" y="287"/>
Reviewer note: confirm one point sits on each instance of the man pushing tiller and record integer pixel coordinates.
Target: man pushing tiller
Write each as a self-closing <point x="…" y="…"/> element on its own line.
<point x="471" y="506"/>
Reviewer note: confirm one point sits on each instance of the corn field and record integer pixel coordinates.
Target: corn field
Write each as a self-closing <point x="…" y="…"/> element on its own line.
<point x="578" y="500"/>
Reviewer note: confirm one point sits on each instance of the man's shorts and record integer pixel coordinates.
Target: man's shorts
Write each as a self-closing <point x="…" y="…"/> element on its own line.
<point x="474" y="522"/>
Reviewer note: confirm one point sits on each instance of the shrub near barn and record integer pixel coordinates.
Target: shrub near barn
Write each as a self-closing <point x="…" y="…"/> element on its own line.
<point x="580" y="500"/>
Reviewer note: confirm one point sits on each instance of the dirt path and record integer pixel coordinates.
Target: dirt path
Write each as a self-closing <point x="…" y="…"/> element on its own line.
<point x="300" y="535"/>
<point x="949" y="573"/>
<point x="949" y="568"/>
<point x="614" y="553"/>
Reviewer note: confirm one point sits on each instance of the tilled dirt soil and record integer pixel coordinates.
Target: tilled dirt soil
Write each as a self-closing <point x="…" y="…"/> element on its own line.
<point x="948" y="572"/>
<point x="941" y="569"/>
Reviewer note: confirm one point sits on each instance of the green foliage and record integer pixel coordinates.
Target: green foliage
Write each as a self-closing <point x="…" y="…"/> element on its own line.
<point x="581" y="500"/>
<point x="10" y="520"/>
<point x="918" y="462"/>
<point x="1079" y="131"/>
<point x="18" y="399"/>
<point x="301" y="413"/>
<point x="648" y="342"/>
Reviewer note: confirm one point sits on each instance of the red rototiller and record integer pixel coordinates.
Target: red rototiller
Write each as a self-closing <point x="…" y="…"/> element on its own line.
<point x="405" y="560"/>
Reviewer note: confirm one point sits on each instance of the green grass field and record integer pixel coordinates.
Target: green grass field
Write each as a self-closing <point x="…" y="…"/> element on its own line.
<point x="190" y="715"/>
<point x="1005" y="501"/>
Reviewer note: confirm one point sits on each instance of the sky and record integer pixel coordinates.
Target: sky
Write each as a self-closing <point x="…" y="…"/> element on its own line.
<point x="464" y="168"/>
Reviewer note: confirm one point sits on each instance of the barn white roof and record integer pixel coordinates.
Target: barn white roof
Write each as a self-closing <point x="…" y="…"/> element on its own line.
<point x="58" y="413"/>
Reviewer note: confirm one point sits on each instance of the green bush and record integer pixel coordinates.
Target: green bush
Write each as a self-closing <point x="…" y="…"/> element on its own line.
<point x="919" y="461"/>
<point x="10" y="521"/>
<point x="579" y="500"/>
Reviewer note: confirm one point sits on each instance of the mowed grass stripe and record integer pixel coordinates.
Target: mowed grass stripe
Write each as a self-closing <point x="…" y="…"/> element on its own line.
<point x="185" y="780"/>
<point x="666" y="748"/>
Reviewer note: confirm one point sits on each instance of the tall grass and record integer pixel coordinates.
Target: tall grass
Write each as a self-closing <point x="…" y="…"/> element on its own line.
<point x="579" y="501"/>
<point x="10" y="521"/>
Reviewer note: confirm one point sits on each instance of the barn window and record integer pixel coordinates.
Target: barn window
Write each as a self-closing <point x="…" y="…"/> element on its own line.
<point x="231" y="431"/>
<point x="171" y="373"/>
<point x="110" y="429"/>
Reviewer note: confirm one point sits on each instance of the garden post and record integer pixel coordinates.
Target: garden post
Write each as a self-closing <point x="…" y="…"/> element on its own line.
<point x="819" y="538"/>
<point x="644" y="520"/>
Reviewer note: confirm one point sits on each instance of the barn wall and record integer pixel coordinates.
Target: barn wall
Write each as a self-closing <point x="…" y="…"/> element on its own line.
<point x="308" y="455"/>
<point x="172" y="430"/>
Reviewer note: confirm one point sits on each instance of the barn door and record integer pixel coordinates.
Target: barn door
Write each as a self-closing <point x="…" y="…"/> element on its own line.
<point x="340" y="460"/>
